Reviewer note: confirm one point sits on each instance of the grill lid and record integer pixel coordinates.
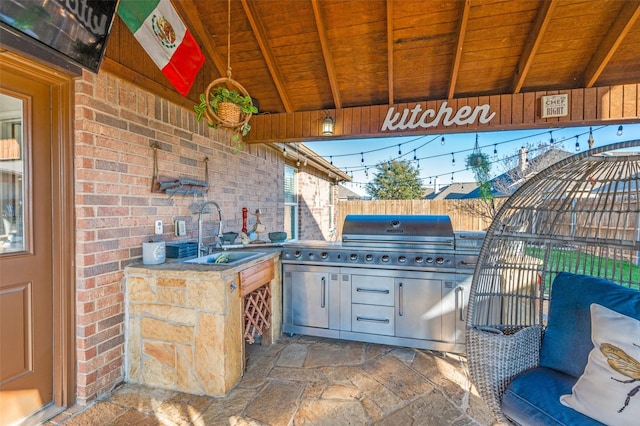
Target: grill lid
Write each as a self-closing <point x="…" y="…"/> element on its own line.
<point x="427" y="230"/>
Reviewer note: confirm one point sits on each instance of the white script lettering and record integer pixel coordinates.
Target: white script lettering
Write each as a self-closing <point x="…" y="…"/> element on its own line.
<point x="465" y="115"/>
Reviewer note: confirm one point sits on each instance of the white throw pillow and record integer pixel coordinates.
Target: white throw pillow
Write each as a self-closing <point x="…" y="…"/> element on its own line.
<point x="601" y="391"/>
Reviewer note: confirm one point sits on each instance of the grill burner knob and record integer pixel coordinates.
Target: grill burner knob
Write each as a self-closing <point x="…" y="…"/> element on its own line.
<point x="402" y="259"/>
<point x="324" y="255"/>
<point x="429" y="259"/>
<point x="297" y="254"/>
<point x="419" y="259"/>
<point x="353" y="257"/>
<point x="385" y="258"/>
<point x="439" y="260"/>
<point x="369" y="258"/>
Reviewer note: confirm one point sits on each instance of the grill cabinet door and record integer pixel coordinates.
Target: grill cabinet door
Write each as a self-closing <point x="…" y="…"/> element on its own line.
<point x="310" y="298"/>
<point x="419" y="308"/>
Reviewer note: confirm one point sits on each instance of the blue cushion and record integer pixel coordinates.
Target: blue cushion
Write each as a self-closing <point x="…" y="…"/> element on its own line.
<point x="533" y="398"/>
<point x="567" y="339"/>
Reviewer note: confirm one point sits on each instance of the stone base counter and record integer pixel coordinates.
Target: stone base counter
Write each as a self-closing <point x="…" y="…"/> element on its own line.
<point x="185" y="325"/>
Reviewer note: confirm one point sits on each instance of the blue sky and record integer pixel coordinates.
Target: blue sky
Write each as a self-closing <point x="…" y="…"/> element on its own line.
<point x="436" y="159"/>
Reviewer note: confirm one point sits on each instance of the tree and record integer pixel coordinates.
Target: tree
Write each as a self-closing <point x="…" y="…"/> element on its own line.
<point x="396" y="180"/>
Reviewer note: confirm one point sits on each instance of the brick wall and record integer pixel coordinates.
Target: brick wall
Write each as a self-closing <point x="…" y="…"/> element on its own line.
<point x="116" y="123"/>
<point x="314" y="221"/>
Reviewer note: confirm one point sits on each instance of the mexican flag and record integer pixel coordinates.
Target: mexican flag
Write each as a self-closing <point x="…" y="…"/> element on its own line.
<point x="160" y="31"/>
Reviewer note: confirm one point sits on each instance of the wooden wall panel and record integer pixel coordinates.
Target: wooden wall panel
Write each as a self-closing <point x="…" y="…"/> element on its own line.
<point x="591" y="106"/>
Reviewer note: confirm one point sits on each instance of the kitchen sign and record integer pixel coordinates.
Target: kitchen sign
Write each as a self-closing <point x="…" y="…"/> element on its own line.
<point x="416" y="117"/>
<point x="554" y="106"/>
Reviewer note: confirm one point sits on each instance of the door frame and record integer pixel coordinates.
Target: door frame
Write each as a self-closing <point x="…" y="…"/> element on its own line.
<point x="63" y="223"/>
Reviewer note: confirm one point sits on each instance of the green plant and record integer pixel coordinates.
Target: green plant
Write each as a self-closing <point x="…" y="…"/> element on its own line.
<point x="220" y="95"/>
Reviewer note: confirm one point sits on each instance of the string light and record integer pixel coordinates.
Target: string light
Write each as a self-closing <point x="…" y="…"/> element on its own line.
<point x="284" y="151"/>
<point x="453" y="159"/>
<point x="495" y="149"/>
<point x="399" y="150"/>
<point x="451" y="176"/>
<point x="619" y="132"/>
<point x="388" y="166"/>
<point x="414" y="155"/>
<point x="431" y="157"/>
<point x="442" y="141"/>
<point x="577" y="144"/>
<point x="551" y="141"/>
<point x="591" y="140"/>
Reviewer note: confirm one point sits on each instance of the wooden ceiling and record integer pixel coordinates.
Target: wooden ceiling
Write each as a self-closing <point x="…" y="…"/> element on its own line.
<point x="304" y="55"/>
<point x="312" y="55"/>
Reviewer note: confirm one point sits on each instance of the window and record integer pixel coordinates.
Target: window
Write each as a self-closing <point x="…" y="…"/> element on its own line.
<point x="291" y="202"/>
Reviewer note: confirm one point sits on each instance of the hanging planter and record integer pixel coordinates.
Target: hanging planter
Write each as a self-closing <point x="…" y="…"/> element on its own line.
<point x="225" y="103"/>
<point x="227" y="108"/>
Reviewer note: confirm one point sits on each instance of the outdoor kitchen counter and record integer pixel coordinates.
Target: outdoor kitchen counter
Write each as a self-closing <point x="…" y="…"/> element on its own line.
<point x="185" y="322"/>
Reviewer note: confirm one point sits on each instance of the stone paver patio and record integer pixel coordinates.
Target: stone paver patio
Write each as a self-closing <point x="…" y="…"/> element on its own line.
<point x="305" y="380"/>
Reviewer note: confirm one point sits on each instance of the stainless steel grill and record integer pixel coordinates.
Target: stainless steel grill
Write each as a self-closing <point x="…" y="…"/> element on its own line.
<point x="418" y="242"/>
<point x="393" y="279"/>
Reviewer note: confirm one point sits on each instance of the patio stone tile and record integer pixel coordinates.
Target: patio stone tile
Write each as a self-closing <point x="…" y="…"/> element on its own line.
<point x="330" y="413"/>
<point x="296" y="374"/>
<point x="304" y="380"/>
<point x="136" y="418"/>
<point x="184" y="408"/>
<point x="333" y="354"/>
<point x="432" y="409"/>
<point x="372" y="351"/>
<point x="341" y="392"/>
<point x="100" y="414"/>
<point x="142" y="398"/>
<point x="398" y="378"/>
<point x="276" y="403"/>
<point x="314" y="390"/>
<point x="293" y="355"/>
<point x="221" y="411"/>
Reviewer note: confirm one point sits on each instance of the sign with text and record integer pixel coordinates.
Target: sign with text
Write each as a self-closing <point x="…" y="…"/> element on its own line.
<point x="554" y="106"/>
<point x="447" y="116"/>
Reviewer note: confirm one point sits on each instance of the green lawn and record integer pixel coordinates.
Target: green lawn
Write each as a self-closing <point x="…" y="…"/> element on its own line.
<point x="569" y="257"/>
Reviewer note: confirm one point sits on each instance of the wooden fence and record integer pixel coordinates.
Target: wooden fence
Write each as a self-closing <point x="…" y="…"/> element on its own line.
<point x="465" y="214"/>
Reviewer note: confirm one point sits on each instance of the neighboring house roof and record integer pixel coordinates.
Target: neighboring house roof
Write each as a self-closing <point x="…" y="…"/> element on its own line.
<point x="505" y="184"/>
<point x="454" y="191"/>
<point x="346" y="193"/>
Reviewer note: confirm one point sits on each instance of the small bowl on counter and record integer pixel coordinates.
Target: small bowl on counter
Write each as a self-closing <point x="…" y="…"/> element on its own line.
<point x="277" y="237"/>
<point x="228" y="237"/>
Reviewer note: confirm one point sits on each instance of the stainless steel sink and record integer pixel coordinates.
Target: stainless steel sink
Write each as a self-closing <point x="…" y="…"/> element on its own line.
<point x="225" y="257"/>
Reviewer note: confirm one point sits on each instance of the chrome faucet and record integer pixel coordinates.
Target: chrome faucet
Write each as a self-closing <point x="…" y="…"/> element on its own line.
<point x="202" y="250"/>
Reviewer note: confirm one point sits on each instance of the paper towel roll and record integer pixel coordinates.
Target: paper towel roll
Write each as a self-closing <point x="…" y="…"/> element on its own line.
<point x="154" y="253"/>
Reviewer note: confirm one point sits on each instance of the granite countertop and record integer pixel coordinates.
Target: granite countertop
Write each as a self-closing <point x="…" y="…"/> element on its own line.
<point x="269" y="251"/>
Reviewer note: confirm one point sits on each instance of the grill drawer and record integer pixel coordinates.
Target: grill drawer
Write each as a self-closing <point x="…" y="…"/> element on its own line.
<point x="372" y="319"/>
<point x="372" y="290"/>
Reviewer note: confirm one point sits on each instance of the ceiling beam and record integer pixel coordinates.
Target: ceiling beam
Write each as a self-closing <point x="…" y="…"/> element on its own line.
<point x="618" y="31"/>
<point x="390" y="50"/>
<point x="189" y="10"/>
<point x="531" y="48"/>
<point x="462" y="29"/>
<point x="261" y="37"/>
<point x="326" y="54"/>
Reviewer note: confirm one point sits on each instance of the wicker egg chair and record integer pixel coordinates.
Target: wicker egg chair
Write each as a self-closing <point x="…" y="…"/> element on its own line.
<point x="580" y="215"/>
